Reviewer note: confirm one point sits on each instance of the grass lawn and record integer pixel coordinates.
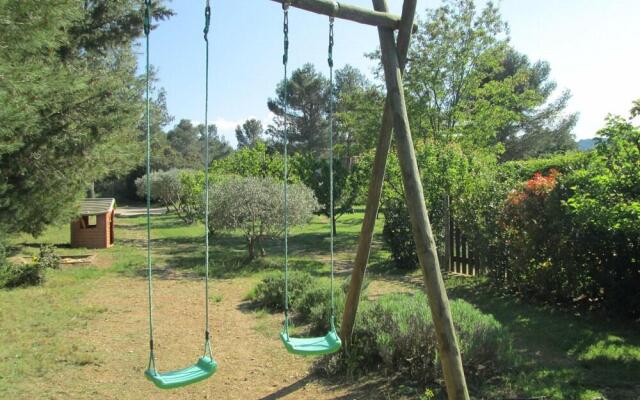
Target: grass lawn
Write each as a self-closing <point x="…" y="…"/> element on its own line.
<point x="45" y="331"/>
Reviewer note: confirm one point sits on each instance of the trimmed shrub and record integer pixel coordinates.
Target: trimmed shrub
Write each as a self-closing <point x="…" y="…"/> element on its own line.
<point x="256" y="206"/>
<point x="396" y="335"/>
<point x="309" y="298"/>
<point x="563" y="163"/>
<point x="269" y="292"/>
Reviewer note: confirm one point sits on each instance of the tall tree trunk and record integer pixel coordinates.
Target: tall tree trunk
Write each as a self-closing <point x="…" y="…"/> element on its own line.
<point x="251" y="246"/>
<point x="333" y="225"/>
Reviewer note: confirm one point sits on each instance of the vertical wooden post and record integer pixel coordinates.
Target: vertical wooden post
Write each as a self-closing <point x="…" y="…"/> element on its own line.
<point x="375" y="185"/>
<point x="425" y="243"/>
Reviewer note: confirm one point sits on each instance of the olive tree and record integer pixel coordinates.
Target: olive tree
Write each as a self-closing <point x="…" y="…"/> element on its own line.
<point x="177" y="189"/>
<point x="255" y="206"/>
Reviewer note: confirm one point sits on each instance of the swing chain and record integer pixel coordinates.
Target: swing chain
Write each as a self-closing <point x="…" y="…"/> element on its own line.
<point x="285" y="30"/>
<point x="147" y="17"/>
<point x="207" y="20"/>
<point x="330" y="59"/>
<point x="331" y="193"/>
<point x="285" y="59"/>
<point x="147" y="30"/>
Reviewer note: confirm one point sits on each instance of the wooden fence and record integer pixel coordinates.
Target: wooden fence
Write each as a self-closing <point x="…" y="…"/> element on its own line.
<point x="459" y="256"/>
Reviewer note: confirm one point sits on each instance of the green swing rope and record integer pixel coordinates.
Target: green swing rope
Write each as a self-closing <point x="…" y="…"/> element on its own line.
<point x="147" y="29"/>
<point x="331" y="105"/>
<point x="285" y="58"/>
<point x="207" y="343"/>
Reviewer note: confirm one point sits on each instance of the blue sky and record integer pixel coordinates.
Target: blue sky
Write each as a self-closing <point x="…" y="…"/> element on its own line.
<point x="591" y="46"/>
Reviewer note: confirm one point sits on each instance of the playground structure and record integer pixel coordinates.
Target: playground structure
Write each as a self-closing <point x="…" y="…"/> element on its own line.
<point x="94" y="228"/>
<point x="395" y="119"/>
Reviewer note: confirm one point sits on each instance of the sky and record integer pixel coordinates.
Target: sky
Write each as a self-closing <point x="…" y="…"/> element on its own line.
<point x="591" y="45"/>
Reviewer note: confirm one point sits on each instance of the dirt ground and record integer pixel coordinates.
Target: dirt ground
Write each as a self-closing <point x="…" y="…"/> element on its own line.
<point x="252" y="362"/>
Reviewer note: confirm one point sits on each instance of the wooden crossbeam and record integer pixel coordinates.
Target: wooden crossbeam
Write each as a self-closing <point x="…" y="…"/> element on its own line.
<point x="347" y="11"/>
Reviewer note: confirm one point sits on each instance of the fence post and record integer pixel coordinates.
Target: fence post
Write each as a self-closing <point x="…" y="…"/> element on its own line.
<point x="447" y="234"/>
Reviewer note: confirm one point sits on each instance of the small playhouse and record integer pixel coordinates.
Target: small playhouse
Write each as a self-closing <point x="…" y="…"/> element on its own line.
<point x="94" y="228"/>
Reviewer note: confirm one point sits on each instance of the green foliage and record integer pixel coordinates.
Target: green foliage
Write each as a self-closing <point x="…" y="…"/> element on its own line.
<point x="16" y="275"/>
<point x="70" y="112"/>
<point x="309" y="298"/>
<point x="308" y="99"/>
<point x="47" y="258"/>
<point x="249" y="133"/>
<point x="180" y="190"/>
<point x="470" y="178"/>
<point x="3" y="251"/>
<point x="314" y="173"/>
<point x="563" y="163"/>
<point x="397" y="235"/>
<point x="12" y="276"/>
<point x="396" y="334"/>
<point x="256" y="161"/>
<point x="358" y="112"/>
<point x="466" y="82"/>
<point x="575" y="239"/>
<point x="269" y="292"/>
<point x="606" y="194"/>
<point x="256" y="207"/>
<point x="188" y="142"/>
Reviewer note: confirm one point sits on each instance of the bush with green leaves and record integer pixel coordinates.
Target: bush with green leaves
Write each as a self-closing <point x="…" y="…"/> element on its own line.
<point x="564" y="163"/>
<point x="314" y="173"/>
<point x="269" y="292"/>
<point x="180" y="190"/>
<point x="255" y="207"/>
<point x="16" y="275"/>
<point x="574" y="238"/>
<point x="3" y="250"/>
<point x="470" y="178"/>
<point x="12" y="276"/>
<point x="395" y="334"/>
<point x="309" y="297"/>
<point x="47" y="258"/>
<point x="256" y="160"/>
<point x="397" y="235"/>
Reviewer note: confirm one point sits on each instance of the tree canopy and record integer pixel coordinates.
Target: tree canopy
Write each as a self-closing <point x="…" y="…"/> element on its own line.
<point x="466" y="82"/>
<point x="249" y="133"/>
<point x="71" y="103"/>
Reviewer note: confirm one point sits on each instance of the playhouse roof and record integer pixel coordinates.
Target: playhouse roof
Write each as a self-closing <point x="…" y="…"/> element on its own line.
<point x="96" y="206"/>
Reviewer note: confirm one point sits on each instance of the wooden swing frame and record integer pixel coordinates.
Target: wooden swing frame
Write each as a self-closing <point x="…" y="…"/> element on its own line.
<point x="395" y="119"/>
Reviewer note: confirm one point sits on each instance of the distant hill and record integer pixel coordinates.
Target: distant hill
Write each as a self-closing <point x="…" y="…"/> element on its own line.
<point x="586" y="144"/>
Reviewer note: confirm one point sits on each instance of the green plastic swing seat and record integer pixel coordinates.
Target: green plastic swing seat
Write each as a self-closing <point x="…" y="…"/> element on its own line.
<point x="328" y="344"/>
<point x="203" y="369"/>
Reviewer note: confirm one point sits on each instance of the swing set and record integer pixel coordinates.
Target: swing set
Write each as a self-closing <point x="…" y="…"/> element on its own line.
<point x="394" y="52"/>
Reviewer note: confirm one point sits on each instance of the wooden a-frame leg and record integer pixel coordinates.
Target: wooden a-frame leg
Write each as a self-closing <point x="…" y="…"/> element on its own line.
<point x="375" y="184"/>
<point x="425" y="244"/>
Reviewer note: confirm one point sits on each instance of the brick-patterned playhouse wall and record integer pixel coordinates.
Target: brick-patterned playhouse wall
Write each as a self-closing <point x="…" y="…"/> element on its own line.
<point x="95" y="237"/>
